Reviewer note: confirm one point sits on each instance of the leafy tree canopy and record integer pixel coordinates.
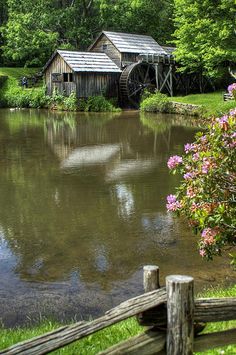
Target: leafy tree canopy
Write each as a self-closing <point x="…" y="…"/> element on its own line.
<point x="32" y="30"/>
<point x="205" y="34"/>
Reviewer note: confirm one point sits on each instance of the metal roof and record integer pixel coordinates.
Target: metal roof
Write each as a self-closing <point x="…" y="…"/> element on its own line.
<point x="133" y="43"/>
<point x="87" y="62"/>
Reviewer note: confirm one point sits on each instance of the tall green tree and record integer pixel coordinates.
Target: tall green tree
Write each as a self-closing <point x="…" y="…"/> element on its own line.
<point x="205" y="34"/>
<point x="33" y="30"/>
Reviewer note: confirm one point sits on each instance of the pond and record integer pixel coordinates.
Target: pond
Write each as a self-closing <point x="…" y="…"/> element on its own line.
<point x="83" y="209"/>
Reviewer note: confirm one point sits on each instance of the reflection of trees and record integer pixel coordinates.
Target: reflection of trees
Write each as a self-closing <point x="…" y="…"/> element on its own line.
<point x="56" y="222"/>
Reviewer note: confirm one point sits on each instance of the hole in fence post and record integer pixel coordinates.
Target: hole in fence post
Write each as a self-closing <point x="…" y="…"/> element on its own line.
<point x="180" y="309"/>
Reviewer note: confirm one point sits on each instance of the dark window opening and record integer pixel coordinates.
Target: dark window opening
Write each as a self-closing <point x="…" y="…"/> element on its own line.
<point x="68" y="77"/>
<point x="104" y="47"/>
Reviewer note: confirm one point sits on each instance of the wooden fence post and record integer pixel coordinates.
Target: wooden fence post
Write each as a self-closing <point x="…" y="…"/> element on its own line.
<point x="150" y="278"/>
<point x="180" y="309"/>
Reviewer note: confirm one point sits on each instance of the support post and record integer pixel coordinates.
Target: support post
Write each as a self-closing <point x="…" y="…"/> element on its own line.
<point x="150" y="278"/>
<point x="150" y="283"/>
<point x="157" y="75"/>
<point x="180" y="309"/>
<point x="171" y="81"/>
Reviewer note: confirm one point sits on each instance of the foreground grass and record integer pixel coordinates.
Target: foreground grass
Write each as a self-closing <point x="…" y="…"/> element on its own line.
<point x="212" y="103"/>
<point x="113" y="335"/>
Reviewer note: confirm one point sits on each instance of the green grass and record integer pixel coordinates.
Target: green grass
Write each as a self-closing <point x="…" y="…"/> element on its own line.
<point x="17" y="73"/>
<point x="114" y="334"/>
<point x="212" y="103"/>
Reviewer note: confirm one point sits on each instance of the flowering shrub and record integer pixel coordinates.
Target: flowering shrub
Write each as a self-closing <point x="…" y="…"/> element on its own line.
<point x="232" y="90"/>
<point x="207" y="194"/>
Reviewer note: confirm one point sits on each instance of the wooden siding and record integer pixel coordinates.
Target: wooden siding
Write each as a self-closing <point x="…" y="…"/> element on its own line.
<point x="58" y="65"/>
<point x="111" y="50"/>
<point x="91" y="84"/>
<point x="127" y="58"/>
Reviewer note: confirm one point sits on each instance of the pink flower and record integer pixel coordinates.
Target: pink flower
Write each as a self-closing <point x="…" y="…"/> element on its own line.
<point x="208" y="235"/>
<point x="190" y="192"/>
<point x="202" y="252"/>
<point x="196" y="156"/>
<point x="174" y="161"/>
<point x="189" y="147"/>
<point x="231" y="88"/>
<point x="205" y="166"/>
<point x="189" y="176"/>
<point x="172" y="203"/>
<point x="203" y="139"/>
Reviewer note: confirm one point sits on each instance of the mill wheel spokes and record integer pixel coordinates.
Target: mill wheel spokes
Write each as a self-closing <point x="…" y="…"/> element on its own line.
<point x="134" y="79"/>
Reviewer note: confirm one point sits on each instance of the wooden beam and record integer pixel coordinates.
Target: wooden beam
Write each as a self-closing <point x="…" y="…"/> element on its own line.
<point x="153" y="342"/>
<point x="205" y="310"/>
<point x="148" y="343"/>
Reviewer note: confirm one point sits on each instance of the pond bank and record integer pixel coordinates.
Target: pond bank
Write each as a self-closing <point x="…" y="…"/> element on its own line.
<point x="198" y="105"/>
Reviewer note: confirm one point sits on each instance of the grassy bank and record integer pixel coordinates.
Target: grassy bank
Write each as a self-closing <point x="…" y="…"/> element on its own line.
<point x="110" y="336"/>
<point x="212" y="103"/>
<point x="205" y="105"/>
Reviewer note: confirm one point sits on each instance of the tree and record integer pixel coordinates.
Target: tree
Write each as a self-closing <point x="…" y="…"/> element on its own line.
<point x="33" y="30"/>
<point x="205" y="34"/>
<point x="207" y="194"/>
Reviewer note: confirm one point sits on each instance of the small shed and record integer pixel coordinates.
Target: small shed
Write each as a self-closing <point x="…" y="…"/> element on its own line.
<point x="86" y="73"/>
<point x="124" y="48"/>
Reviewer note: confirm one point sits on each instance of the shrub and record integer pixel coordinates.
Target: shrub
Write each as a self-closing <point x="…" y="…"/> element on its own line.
<point x="99" y="104"/>
<point x="207" y="193"/>
<point x="157" y="102"/>
<point x="13" y="95"/>
<point x="70" y="103"/>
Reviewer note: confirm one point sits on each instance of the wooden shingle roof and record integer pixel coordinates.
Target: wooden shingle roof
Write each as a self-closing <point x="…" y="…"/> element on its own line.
<point x="87" y="62"/>
<point x="132" y="43"/>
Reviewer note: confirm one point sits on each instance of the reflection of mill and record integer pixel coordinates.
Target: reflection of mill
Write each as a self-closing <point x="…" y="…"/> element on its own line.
<point x="78" y="148"/>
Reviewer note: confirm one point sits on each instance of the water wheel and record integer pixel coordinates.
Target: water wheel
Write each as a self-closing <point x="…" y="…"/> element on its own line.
<point x="133" y="80"/>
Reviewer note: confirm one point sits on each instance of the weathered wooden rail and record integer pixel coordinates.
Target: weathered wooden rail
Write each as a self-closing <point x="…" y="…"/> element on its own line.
<point x="173" y="314"/>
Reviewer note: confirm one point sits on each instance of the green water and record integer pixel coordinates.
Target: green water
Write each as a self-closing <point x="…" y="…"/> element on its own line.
<point x="83" y="209"/>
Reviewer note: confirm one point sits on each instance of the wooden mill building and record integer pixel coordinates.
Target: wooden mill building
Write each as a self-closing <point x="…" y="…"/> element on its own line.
<point x="118" y="65"/>
<point x="87" y="74"/>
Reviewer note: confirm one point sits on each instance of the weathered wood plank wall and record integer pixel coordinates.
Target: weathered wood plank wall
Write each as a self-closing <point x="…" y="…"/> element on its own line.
<point x="58" y="65"/>
<point x="110" y="50"/>
<point x="91" y="84"/>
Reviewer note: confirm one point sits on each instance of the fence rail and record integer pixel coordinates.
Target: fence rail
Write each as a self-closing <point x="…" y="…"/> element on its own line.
<point x="171" y="311"/>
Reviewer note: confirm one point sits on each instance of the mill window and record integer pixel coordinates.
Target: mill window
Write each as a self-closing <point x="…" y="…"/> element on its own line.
<point x="104" y="47"/>
<point x="67" y="77"/>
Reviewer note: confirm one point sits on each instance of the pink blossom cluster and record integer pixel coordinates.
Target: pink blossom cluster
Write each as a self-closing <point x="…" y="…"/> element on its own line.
<point x="189" y="147"/>
<point x="196" y="156"/>
<point x="203" y="139"/>
<point x="209" y="234"/>
<point x="190" y="192"/>
<point x="174" y="161"/>
<point x="231" y="88"/>
<point x="172" y="203"/>
<point x="189" y="175"/>
<point x="206" y="166"/>
<point x="202" y="252"/>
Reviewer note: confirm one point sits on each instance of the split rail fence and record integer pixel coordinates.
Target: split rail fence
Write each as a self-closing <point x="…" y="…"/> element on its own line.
<point x="170" y="314"/>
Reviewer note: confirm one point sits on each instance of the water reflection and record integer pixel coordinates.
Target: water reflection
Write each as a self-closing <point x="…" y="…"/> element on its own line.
<point x="83" y="208"/>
